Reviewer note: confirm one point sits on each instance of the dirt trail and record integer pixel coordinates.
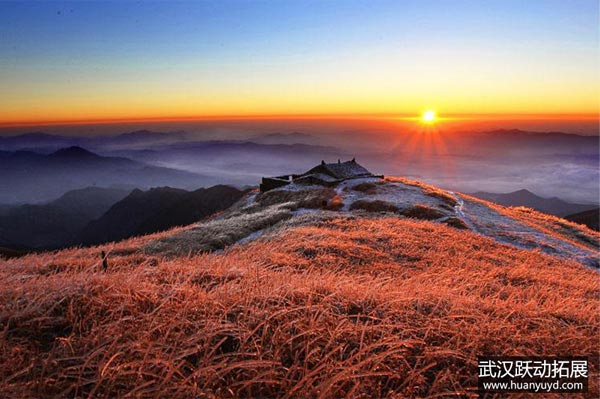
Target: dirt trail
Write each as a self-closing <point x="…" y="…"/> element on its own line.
<point x="486" y="221"/>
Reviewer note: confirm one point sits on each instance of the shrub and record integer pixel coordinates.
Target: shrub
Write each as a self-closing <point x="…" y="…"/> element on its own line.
<point x="374" y="206"/>
<point x="366" y="187"/>
<point x="424" y="212"/>
<point x="456" y="223"/>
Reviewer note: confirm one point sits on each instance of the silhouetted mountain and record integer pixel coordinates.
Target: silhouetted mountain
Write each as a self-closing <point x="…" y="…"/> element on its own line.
<point x="515" y="140"/>
<point x="37" y="140"/>
<point x="589" y="218"/>
<point x="146" y="137"/>
<point x="56" y="223"/>
<point x="553" y="206"/>
<point x="284" y="138"/>
<point x="73" y="153"/>
<point x="143" y="212"/>
<point x="29" y="177"/>
<point x="90" y="202"/>
<point x="45" y="143"/>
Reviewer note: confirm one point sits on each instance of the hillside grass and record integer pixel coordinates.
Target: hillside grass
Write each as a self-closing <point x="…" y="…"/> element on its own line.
<point x="350" y="307"/>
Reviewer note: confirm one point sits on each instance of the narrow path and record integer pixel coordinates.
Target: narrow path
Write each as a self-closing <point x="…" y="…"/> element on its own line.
<point x="458" y="211"/>
<point x="486" y="221"/>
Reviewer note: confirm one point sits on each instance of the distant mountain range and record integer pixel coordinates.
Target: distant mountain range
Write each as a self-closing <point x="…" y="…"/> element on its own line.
<point x="44" y="142"/>
<point x="29" y="177"/>
<point x="139" y="139"/>
<point x="554" y="164"/>
<point x="552" y="206"/>
<point x="284" y="138"/>
<point x="95" y="215"/>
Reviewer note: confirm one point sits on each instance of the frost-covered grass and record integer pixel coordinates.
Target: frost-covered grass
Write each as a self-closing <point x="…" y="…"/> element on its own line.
<point x="527" y="228"/>
<point x="349" y="307"/>
<point x="221" y="232"/>
<point x="304" y="299"/>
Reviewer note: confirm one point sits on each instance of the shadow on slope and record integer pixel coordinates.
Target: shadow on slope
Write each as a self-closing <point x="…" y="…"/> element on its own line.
<point x="56" y="223"/>
<point x="144" y="212"/>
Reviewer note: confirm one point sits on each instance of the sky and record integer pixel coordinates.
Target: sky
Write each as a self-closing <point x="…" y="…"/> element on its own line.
<point x="96" y="61"/>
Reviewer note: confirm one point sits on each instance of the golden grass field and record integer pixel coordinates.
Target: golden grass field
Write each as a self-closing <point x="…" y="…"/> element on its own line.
<point x="351" y="307"/>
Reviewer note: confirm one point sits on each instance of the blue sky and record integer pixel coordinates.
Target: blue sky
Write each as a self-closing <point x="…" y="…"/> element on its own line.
<point x="290" y="49"/>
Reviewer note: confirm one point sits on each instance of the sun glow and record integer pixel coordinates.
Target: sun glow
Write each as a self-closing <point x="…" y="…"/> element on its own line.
<point x="428" y="116"/>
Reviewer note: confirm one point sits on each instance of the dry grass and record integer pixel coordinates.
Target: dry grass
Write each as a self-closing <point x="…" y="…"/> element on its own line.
<point x="313" y="198"/>
<point x="354" y="308"/>
<point x="429" y="190"/>
<point x="221" y="232"/>
<point x="241" y="221"/>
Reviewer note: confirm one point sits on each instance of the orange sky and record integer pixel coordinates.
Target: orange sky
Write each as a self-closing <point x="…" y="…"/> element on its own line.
<point x="140" y="61"/>
<point x="440" y="119"/>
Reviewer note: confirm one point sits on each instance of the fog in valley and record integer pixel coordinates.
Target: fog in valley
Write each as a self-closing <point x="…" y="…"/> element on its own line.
<point x="240" y="153"/>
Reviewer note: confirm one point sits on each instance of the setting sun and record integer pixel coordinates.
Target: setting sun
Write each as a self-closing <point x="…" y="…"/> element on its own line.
<point x="428" y="116"/>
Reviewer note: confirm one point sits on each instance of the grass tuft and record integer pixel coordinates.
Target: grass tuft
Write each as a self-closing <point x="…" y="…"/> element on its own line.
<point x="373" y="206"/>
<point x="423" y="212"/>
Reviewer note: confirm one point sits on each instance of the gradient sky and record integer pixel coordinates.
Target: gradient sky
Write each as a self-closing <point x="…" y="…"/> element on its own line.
<point x="98" y="60"/>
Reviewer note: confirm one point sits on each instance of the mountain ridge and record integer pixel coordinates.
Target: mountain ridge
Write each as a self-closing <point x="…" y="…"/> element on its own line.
<point x="523" y="197"/>
<point x="160" y="208"/>
<point x="75" y="167"/>
<point x="56" y="223"/>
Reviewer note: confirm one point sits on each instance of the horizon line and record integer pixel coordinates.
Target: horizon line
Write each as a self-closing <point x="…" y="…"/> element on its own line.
<point x="333" y="116"/>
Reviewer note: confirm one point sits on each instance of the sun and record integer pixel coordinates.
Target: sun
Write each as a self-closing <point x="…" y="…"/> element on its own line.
<point x="428" y="116"/>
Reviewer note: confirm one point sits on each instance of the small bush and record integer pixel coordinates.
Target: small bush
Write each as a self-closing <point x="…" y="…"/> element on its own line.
<point x="456" y="223"/>
<point x="422" y="212"/>
<point x="374" y="206"/>
<point x="366" y="187"/>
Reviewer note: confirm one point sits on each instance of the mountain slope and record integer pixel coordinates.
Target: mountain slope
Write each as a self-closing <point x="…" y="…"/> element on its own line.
<point x="589" y="218"/>
<point x="309" y="299"/>
<point x="30" y="177"/>
<point x="553" y="206"/>
<point x="157" y="209"/>
<point x="192" y="207"/>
